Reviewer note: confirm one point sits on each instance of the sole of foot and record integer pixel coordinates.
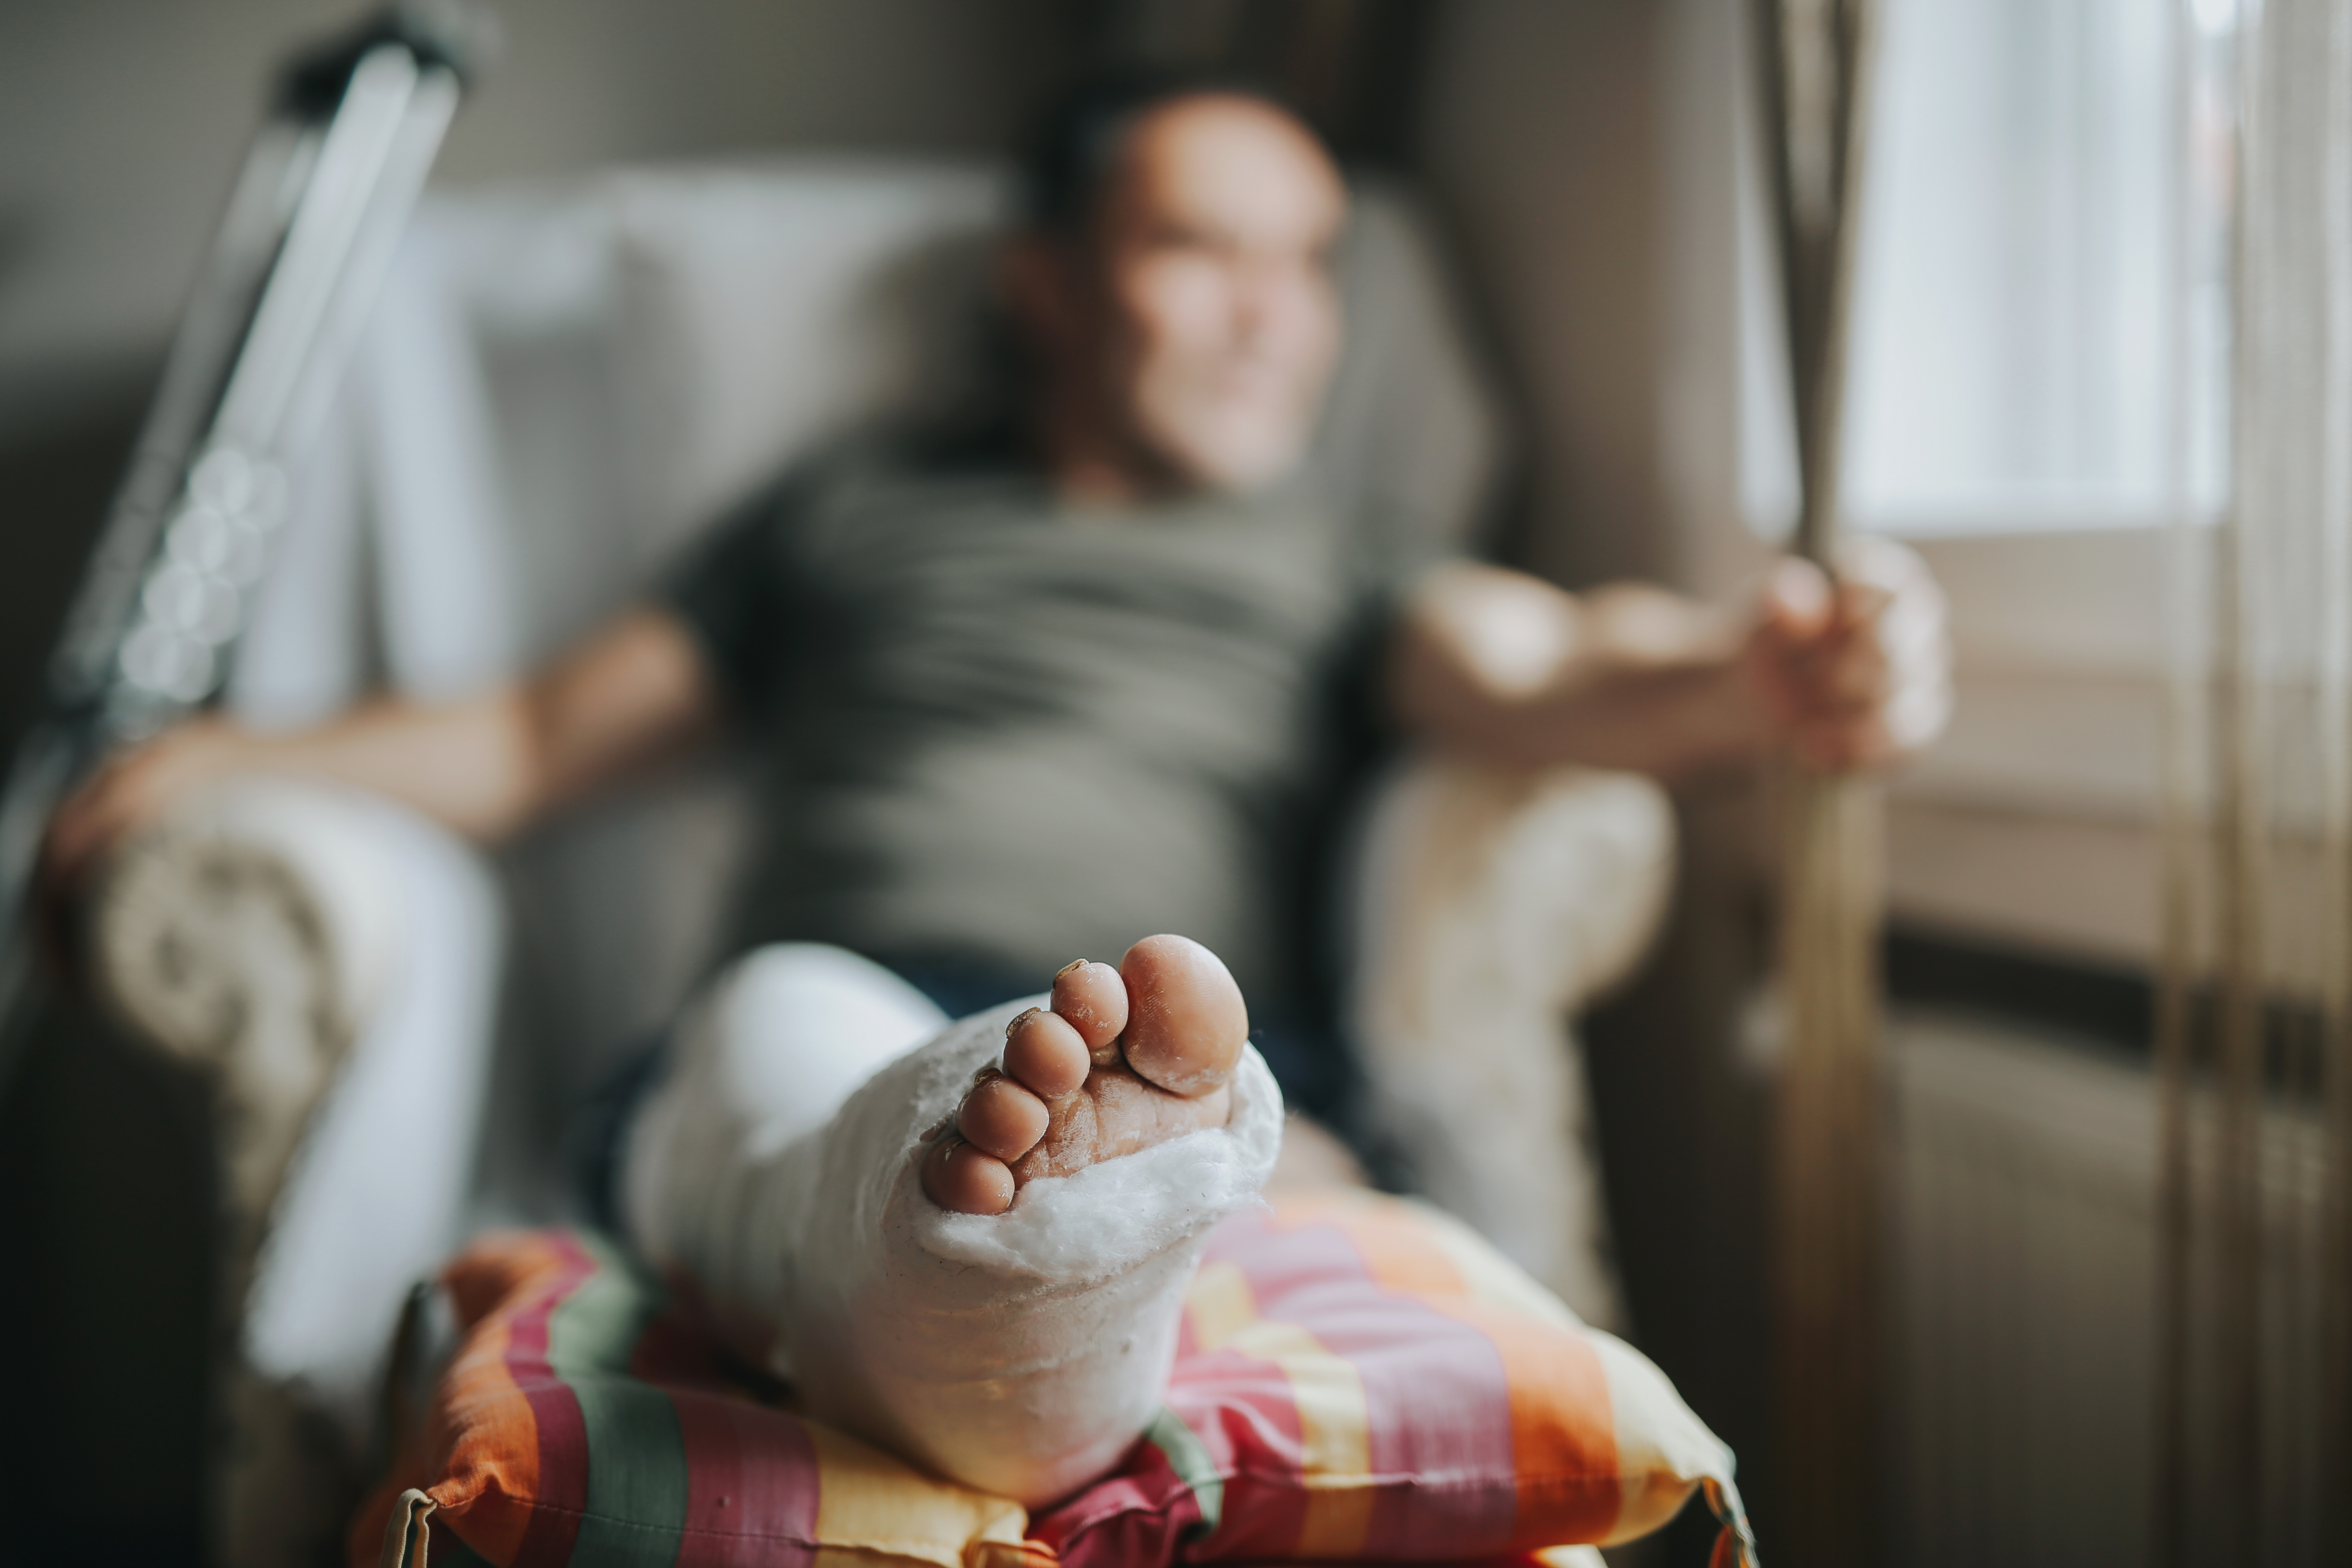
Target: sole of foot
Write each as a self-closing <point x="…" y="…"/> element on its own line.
<point x="1120" y="1060"/>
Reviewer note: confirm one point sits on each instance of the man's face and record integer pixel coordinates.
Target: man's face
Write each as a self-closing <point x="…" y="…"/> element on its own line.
<point x="1205" y="323"/>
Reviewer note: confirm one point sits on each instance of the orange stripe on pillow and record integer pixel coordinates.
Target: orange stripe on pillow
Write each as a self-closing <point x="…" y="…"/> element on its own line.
<point x="490" y="1479"/>
<point x="1563" y="1426"/>
<point x="1405" y="1258"/>
<point x="1493" y="1278"/>
<point x="497" y="1266"/>
<point x="1326" y="1392"/>
<point x="492" y="1476"/>
<point x="1321" y="1206"/>
<point x="1563" y="1422"/>
<point x="1414" y="1250"/>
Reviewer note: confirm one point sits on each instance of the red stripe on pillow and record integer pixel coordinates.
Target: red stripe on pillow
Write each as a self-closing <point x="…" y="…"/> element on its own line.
<point x="752" y="1501"/>
<point x="1141" y="1514"/>
<point x="1241" y="1409"/>
<point x="562" y="1434"/>
<point x="1564" y="1433"/>
<point x="1524" y="1399"/>
<point x="1437" y="1399"/>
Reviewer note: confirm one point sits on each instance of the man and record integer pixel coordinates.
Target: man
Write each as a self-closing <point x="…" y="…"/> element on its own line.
<point x="1100" y="680"/>
<point x="1041" y="698"/>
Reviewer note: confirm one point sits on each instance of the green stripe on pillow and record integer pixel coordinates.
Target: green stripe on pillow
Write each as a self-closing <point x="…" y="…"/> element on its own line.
<point x="1190" y="1459"/>
<point x="595" y="1327"/>
<point x="637" y="1473"/>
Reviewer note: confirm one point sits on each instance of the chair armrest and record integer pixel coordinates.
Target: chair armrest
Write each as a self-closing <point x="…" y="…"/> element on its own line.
<point x="1548" y="885"/>
<point x="253" y="919"/>
<point x="1490" y="907"/>
<point x="326" y="964"/>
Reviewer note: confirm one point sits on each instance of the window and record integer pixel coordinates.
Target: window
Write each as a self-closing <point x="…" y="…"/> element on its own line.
<point x="2041" y="378"/>
<point x="2040" y="327"/>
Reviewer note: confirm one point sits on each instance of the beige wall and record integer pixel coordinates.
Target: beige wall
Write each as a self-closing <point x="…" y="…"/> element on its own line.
<point x="1586" y="154"/>
<point x="122" y="121"/>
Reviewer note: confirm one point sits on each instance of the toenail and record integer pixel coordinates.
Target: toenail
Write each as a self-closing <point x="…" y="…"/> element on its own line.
<point x="1022" y="1018"/>
<point x="1074" y="963"/>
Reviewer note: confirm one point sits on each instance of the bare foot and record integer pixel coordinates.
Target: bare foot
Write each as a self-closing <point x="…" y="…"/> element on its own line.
<point x="1124" y="1058"/>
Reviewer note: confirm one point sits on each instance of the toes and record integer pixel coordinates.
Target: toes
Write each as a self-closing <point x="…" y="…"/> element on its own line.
<point x="1045" y="1053"/>
<point x="1092" y="999"/>
<point x="1186" y="1022"/>
<point x="1003" y="1118"/>
<point x="964" y="1180"/>
<point x="1169" y="1015"/>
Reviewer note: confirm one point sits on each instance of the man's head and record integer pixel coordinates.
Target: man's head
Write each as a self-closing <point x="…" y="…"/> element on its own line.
<point x="1173" y="280"/>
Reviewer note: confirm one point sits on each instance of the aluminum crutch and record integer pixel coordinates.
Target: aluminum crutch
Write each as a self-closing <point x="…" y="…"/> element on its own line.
<point x="326" y="189"/>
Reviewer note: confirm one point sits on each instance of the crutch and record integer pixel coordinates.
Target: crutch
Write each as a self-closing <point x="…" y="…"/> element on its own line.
<point x="326" y="188"/>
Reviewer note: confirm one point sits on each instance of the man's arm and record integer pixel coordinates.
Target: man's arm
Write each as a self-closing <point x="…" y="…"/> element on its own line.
<point x="632" y="696"/>
<point x="1505" y="668"/>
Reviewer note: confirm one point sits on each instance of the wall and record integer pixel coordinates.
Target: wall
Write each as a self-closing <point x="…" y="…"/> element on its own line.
<point x="1586" y="157"/>
<point x="122" y="121"/>
<point x="1540" y="134"/>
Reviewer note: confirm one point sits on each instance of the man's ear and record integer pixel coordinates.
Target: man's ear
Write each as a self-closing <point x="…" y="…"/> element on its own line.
<point x="1036" y="276"/>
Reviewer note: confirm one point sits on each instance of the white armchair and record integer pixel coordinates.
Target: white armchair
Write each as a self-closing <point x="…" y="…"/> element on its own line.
<point x="1491" y="908"/>
<point x="559" y="386"/>
<point x="328" y="964"/>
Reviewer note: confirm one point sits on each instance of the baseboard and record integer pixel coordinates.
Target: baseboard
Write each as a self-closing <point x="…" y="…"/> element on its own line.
<point x="2111" y="1002"/>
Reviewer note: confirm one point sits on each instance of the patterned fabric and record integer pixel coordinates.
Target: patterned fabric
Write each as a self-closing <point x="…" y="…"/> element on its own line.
<point x="1359" y="1379"/>
<point x="582" y="1423"/>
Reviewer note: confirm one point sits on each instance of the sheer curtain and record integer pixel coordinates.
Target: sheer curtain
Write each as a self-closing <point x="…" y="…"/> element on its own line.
<point x="2256" y="1048"/>
<point x="2025" y="322"/>
<point x="2017" y="341"/>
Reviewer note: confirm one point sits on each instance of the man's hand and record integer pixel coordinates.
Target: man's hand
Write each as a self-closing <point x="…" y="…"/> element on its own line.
<point x="627" y="700"/>
<point x="131" y="789"/>
<point x="1507" y="670"/>
<point x="1857" y="675"/>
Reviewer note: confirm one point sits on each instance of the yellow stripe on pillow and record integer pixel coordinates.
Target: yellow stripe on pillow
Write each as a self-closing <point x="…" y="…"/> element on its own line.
<point x="1335" y="1425"/>
<point x="869" y="1505"/>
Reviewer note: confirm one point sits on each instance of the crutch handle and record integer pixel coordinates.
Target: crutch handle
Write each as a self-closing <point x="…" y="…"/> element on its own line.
<point x="460" y="38"/>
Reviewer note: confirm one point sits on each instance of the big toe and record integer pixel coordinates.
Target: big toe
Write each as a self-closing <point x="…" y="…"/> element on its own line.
<point x="1186" y="1022"/>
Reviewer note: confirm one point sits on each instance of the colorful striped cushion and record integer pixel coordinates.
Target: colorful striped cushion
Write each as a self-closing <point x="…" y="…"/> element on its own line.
<point x="1359" y="1379"/>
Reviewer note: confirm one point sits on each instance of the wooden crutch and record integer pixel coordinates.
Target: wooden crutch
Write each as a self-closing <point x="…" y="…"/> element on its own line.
<point x="1815" y="60"/>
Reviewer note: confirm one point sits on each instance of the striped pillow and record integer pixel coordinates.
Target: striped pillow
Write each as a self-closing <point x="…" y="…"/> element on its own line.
<point x="1359" y="1378"/>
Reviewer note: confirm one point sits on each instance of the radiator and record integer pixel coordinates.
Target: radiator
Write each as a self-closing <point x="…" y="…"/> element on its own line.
<point x="2024" y="1358"/>
<point x="2025" y="1251"/>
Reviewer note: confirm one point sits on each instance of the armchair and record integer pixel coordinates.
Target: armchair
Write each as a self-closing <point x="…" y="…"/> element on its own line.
<point x="560" y="384"/>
